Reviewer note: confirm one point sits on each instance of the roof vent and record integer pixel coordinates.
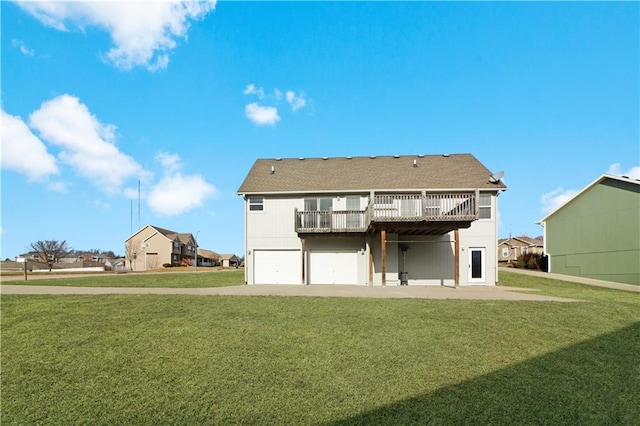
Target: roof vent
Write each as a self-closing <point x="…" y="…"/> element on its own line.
<point x="415" y="163"/>
<point x="273" y="170"/>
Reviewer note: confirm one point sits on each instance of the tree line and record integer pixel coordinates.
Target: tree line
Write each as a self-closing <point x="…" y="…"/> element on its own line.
<point x="51" y="251"/>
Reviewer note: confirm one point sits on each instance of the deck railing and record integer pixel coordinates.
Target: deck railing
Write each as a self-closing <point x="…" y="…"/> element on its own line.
<point x="330" y="221"/>
<point x="430" y="207"/>
<point x="391" y="208"/>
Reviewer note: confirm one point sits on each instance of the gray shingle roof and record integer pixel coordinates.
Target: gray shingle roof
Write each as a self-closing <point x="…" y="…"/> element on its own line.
<point x="455" y="171"/>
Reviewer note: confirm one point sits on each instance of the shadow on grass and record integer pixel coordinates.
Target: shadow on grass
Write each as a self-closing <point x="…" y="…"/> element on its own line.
<point x="596" y="382"/>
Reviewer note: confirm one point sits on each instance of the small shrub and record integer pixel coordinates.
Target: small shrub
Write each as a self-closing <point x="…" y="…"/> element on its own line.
<point x="529" y="261"/>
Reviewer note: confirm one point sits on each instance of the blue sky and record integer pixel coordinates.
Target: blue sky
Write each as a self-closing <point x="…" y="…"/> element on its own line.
<point x="183" y="97"/>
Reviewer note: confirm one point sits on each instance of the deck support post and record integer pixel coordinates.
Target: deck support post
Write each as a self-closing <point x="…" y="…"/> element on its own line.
<point x="383" y="253"/>
<point x="456" y="253"/>
<point x="476" y="212"/>
<point x="304" y="255"/>
<point x="370" y="254"/>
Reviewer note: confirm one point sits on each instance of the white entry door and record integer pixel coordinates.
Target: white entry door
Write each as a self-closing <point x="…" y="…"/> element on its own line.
<point x="277" y="267"/>
<point x="476" y="265"/>
<point x="333" y="267"/>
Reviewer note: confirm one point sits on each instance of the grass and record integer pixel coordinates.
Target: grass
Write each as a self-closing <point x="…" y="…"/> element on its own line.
<point x="148" y="359"/>
<point x="216" y="278"/>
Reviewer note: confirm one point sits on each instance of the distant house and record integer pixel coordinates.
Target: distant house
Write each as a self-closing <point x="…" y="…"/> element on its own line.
<point x="152" y="247"/>
<point x="208" y="258"/>
<point x="229" y="261"/>
<point x="509" y="249"/>
<point x="116" y="264"/>
<point x="596" y="234"/>
<point x="32" y="255"/>
<point x="378" y="220"/>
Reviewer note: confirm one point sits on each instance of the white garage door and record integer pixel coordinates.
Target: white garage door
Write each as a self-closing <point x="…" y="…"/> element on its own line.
<point x="333" y="267"/>
<point x="277" y="267"/>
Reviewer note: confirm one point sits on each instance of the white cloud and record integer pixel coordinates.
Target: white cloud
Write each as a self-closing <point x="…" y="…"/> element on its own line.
<point x="251" y="89"/>
<point x="57" y="187"/>
<point x="177" y="194"/>
<point x="171" y="162"/>
<point x="23" y="48"/>
<point x="23" y="152"/>
<point x="556" y="198"/>
<point x="143" y="32"/>
<point x="261" y="115"/>
<point x="87" y="145"/>
<point x="616" y="169"/>
<point x="296" y="101"/>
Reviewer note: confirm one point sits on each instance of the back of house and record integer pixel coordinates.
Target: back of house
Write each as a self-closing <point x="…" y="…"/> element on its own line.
<point x="379" y="220"/>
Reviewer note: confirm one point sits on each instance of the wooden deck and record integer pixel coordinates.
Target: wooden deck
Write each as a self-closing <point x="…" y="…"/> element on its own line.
<point x="417" y="214"/>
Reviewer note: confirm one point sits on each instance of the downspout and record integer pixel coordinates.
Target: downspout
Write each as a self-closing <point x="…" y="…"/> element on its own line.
<point x="246" y="252"/>
<point x="495" y="252"/>
<point x="544" y="245"/>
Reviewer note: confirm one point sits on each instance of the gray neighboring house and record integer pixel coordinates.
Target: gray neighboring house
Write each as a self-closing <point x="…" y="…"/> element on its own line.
<point x="379" y="220"/>
<point x="596" y="234"/>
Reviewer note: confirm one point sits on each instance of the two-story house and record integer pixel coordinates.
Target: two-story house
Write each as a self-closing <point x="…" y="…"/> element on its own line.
<point x="152" y="247"/>
<point x="387" y="220"/>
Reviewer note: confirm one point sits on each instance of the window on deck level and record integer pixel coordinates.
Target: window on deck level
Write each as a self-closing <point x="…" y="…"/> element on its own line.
<point x="319" y="205"/>
<point x="485" y="206"/>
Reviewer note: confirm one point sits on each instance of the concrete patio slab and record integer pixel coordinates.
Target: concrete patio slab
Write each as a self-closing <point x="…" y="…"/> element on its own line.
<point x="409" y="292"/>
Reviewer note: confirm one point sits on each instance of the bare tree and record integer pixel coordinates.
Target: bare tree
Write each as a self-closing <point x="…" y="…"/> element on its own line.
<point x="131" y="251"/>
<point x="50" y="251"/>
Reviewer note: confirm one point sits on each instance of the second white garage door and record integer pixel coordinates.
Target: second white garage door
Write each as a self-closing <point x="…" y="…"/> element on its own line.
<point x="277" y="267"/>
<point x="333" y="267"/>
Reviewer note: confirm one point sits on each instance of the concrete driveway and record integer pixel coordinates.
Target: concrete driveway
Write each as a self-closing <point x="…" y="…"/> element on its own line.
<point x="409" y="292"/>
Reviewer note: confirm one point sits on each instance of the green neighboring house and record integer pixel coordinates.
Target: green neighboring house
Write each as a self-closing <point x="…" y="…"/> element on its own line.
<point x="596" y="234"/>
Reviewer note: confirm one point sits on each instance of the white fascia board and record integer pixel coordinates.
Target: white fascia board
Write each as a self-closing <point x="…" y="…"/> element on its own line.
<point x="152" y="235"/>
<point x="367" y="191"/>
<point x="138" y="231"/>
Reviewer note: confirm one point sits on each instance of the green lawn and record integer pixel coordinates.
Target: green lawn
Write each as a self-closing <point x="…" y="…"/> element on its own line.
<point x="217" y="278"/>
<point x="149" y="359"/>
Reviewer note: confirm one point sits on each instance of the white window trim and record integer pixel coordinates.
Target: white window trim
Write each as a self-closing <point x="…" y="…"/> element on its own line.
<point x="482" y="207"/>
<point x="483" y="277"/>
<point x="250" y="204"/>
